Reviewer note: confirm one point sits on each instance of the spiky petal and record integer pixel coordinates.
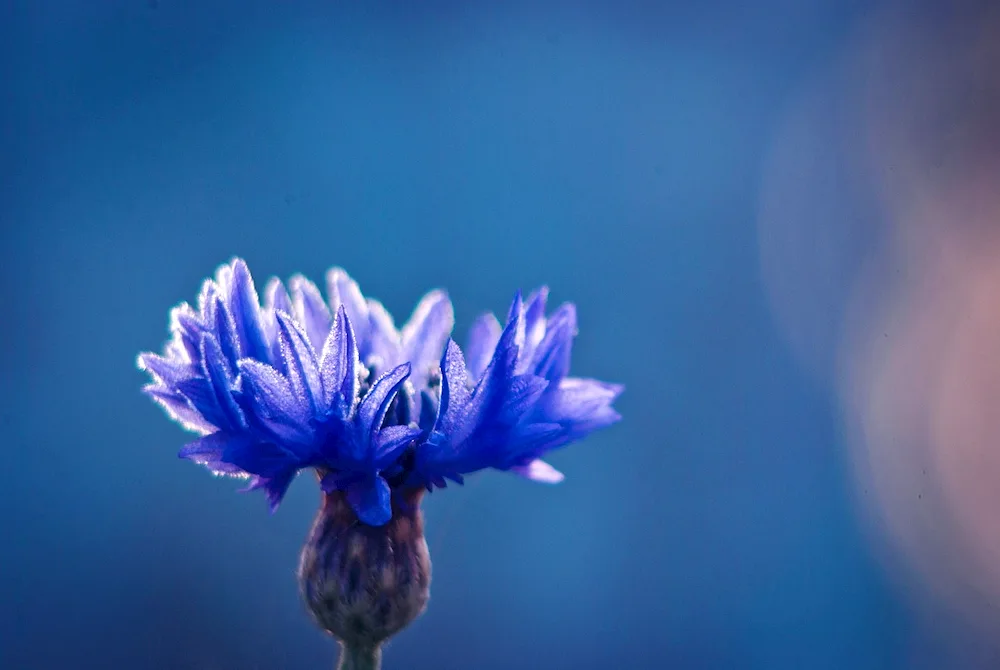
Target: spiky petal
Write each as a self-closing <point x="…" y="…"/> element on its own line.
<point x="302" y="382"/>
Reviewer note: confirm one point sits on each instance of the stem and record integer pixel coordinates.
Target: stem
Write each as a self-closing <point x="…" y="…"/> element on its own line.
<point x="359" y="658"/>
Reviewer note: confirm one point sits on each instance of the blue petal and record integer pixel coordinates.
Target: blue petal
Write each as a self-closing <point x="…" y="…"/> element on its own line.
<point x="453" y="444"/>
<point x="186" y="325"/>
<point x="492" y="387"/>
<point x="300" y="362"/>
<point x="223" y="328"/>
<point x="344" y="291"/>
<point x="454" y="390"/>
<point x="521" y="395"/>
<point x="552" y="358"/>
<point x="206" y="296"/>
<point x="274" y="487"/>
<point x="276" y="297"/>
<point x="224" y="278"/>
<point x="275" y="300"/>
<point x="487" y="428"/>
<point x="579" y="398"/>
<point x="371" y="411"/>
<point x="184" y="317"/>
<point x="339" y="366"/>
<point x="339" y="481"/>
<point x="515" y="318"/>
<point x="275" y="388"/>
<point x="534" y="322"/>
<point x="428" y="410"/>
<point x="390" y="441"/>
<point x="483" y="338"/>
<point x="424" y="335"/>
<point x="167" y="371"/>
<point x="371" y="500"/>
<point x="209" y="450"/>
<point x="179" y="409"/>
<point x="383" y="347"/>
<point x="269" y="397"/>
<point x="244" y="305"/>
<point x="529" y="441"/>
<point x="264" y="459"/>
<point x="581" y="406"/>
<point x="217" y="372"/>
<point x="311" y="310"/>
<point x="201" y="395"/>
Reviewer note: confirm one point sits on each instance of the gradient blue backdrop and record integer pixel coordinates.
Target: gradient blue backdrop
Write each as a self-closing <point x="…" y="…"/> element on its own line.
<point x="609" y="150"/>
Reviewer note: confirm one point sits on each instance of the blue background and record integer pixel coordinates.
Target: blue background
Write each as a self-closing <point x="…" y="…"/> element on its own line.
<point x="610" y="150"/>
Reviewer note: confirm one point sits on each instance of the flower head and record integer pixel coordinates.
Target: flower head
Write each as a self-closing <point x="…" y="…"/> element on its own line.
<point x="302" y="382"/>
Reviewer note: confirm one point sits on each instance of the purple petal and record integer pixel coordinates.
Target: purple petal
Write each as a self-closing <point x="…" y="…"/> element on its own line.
<point x="310" y="310"/>
<point x="370" y="499"/>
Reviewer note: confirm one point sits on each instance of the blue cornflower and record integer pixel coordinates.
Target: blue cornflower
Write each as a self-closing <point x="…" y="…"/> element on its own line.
<point x="302" y="383"/>
<point x="381" y="414"/>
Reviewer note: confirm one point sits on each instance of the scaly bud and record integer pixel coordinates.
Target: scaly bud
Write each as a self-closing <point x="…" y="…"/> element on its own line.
<point x="363" y="584"/>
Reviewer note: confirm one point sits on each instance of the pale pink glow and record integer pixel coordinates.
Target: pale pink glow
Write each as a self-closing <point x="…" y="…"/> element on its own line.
<point x="879" y="239"/>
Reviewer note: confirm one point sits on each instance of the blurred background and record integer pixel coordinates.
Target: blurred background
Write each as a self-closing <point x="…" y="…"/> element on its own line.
<point x="778" y="219"/>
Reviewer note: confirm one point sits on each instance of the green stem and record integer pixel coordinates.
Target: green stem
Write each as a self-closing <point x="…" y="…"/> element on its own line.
<point x="359" y="658"/>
